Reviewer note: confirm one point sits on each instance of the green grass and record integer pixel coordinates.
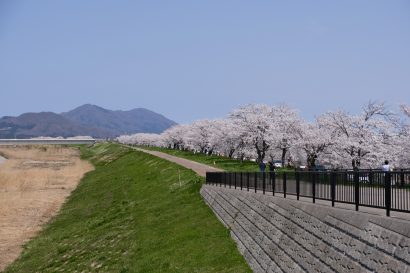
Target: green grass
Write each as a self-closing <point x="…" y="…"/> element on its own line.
<point x="224" y="163"/>
<point x="133" y="214"/>
<point x="221" y="162"/>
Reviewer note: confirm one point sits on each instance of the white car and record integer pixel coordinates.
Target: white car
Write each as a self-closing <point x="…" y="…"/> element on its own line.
<point x="277" y="163"/>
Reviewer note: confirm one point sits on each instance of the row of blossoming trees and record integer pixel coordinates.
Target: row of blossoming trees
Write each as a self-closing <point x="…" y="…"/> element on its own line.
<point x="335" y="139"/>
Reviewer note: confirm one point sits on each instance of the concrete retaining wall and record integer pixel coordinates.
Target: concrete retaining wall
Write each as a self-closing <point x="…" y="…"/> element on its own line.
<point x="280" y="235"/>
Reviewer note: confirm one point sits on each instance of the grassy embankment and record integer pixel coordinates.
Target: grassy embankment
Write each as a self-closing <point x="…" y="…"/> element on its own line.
<point x="132" y="214"/>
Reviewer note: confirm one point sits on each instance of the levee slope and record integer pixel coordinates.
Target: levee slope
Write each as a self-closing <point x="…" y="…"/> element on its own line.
<point x="279" y="235"/>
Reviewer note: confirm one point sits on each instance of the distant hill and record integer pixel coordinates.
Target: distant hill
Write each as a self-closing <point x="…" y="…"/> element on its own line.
<point x="86" y="120"/>
<point x="44" y="124"/>
<point x="138" y="120"/>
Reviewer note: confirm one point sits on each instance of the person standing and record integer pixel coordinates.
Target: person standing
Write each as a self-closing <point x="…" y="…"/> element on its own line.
<point x="271" y="166"/>
<point x="386" y="166"/>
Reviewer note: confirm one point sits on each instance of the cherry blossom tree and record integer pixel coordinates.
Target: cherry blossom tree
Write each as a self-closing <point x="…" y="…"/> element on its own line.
<point x="198" y="135"/>
<point x="141" y="139"/>
<point x="362" y="139"/>
<point x="255" y="127"/>
<point x="226" y="138"/>
<point x="314" y="140"/>
<point x="403" y="139"/>
<point x="286" y="129"/>
<point x="174" y="137"/>
<point x="336" y="138"/>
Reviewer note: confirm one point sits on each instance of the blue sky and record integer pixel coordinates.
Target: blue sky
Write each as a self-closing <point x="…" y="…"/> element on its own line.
<point x="200" y="59"/>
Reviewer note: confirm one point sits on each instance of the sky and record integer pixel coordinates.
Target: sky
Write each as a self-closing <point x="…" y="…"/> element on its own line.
<point x="192" y="60"/>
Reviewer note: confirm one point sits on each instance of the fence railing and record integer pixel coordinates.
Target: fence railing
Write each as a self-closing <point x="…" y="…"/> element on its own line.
<point x="386" y="190"/>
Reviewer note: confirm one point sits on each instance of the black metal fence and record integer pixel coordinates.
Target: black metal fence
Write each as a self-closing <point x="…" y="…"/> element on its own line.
<point x="386" y="190"/>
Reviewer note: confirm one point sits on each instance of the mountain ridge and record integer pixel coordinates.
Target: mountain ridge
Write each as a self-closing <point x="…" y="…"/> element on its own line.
<point x="87" y="119"/>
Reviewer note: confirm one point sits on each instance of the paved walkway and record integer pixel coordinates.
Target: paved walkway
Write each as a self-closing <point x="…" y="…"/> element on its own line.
<point x="199" y="168"/>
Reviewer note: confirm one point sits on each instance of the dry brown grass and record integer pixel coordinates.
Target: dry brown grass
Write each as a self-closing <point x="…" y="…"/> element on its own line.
<point x="34" y="182"/>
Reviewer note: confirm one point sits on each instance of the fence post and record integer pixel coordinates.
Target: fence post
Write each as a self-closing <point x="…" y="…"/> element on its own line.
<point x="230" y="179"/>
<point x="225" y="176"/>
<point x="255" y="183"/>
<point x="356" y="189"/>
<point x="284" y="184"/>
<point x="273" y="177"/>
<point x="402" y="177"/>
<point x="387" y="192"/>
<point x="247" y="180"/>
<point x="241" y="177"/>
<point x="297" y="176"/>
<point x="235" y="179"/>
<point x="333" y="187"/>
<point x="371" y="177"/>
<point x="346" y="177"/>
<point x="263" y="182"/>
<point x="314" y="186"/>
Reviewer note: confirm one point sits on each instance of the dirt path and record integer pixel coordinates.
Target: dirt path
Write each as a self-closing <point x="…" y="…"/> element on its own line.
<point x="199" y="168"/>
<point x="34" y="183"/>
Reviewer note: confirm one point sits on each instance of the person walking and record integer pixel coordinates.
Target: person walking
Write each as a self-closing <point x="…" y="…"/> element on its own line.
<point x="262" y="166"/>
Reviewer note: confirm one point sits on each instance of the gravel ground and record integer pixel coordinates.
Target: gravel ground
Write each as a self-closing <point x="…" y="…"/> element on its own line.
<point x="199" y="168"/>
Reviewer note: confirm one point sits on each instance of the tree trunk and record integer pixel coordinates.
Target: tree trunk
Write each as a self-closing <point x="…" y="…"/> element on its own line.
<point x="260" y="156"/>
<point x="261" y="152"/>
<point x="356" y="164"/>
<point x="242" y="156"/>
<point x="311" y="161"/>
<point x="230" y="155"/>
<point x="284" y="151"/>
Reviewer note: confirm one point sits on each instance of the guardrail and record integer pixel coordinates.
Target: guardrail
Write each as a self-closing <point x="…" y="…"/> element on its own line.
<point x="386" y="190"/>
<point x="46" y="141"/>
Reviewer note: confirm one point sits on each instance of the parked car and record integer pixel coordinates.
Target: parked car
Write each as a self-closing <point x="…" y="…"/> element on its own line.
<point x="277" y="163"/>
<point x="363" y="177"/>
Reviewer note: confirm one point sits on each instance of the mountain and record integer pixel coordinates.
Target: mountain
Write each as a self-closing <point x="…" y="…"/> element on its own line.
<point x="85" y="120"/>
<point x="44" y="124"/>
<point x="138" y="120"/>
